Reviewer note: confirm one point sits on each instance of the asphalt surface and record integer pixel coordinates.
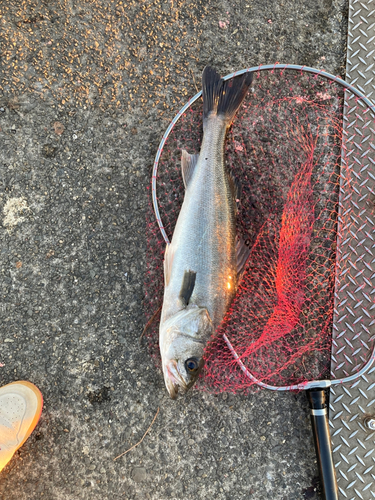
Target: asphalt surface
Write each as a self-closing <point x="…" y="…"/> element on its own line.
<point x="87" y="90"/>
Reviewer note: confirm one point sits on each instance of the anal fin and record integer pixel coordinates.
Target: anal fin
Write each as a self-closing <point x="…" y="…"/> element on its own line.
<point x="235" y="187"/>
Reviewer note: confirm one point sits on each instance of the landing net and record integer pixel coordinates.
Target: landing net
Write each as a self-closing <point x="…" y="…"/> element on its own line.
<point x="292" y="151"/>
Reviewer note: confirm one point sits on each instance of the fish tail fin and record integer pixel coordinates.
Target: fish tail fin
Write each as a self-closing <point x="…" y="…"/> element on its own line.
<point x="211" y="91"/>
<point x="232" y="94"/>
<point x="223" y="97"/>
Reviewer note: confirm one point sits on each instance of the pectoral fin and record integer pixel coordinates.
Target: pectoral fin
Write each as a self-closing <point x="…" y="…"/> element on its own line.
<point x="188" y="164"/>
<point x="187" y="287"/>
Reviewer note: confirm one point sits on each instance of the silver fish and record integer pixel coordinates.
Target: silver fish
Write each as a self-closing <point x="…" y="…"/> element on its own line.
<point x="203" y="261"/>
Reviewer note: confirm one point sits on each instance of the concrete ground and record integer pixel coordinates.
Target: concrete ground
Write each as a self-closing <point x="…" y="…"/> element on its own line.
<point x="87" y="90"/>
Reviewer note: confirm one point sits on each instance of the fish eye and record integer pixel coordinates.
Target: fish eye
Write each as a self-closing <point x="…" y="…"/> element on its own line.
<point x="191" y="364"/>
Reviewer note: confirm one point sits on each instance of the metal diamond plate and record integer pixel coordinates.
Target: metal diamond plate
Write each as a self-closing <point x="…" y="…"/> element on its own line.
<point x="353" y="443"/>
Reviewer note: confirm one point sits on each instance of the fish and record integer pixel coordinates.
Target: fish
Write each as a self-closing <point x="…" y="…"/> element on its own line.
<point x="205" y="258"/>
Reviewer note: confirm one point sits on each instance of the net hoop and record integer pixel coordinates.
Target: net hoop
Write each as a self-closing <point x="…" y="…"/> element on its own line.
<point x="295" y="71"/>
<point x="267" y="67"/>
<point x="304" y="386"/>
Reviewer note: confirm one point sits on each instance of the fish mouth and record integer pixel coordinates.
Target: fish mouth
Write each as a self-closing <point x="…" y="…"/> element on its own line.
<point x="172" y="388"/>
<point x="173" y="379"/>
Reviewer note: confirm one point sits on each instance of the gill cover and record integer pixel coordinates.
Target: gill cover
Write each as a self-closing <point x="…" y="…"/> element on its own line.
<point x="184" y="337"/>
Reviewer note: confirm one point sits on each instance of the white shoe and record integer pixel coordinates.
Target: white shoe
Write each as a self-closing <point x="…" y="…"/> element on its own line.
<point x="20" y="408"/>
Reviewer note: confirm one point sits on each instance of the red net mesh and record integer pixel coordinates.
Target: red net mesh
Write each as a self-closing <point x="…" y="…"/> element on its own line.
<point x="288" y="148"/>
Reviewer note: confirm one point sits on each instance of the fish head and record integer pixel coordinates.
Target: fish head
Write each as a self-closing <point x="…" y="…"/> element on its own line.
<point x="183" y="338"/>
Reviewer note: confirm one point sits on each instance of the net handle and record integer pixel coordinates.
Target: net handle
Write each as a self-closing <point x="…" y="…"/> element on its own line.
<point x="303" y="386"/>
<point x="272" y="67"/>
<point x="322" y="440"/>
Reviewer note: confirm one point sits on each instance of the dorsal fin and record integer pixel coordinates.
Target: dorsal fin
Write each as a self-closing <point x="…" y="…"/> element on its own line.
<point x="188" y="164"/>
<point x="242" y="253"/>
<point x="187" y="287"/>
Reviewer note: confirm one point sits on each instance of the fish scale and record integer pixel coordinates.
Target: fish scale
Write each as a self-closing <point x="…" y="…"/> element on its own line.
<point x="204" y="237"/>
<point x="204" y="242"/>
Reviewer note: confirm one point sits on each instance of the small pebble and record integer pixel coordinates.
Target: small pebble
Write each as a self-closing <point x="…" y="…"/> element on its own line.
<point x="139" y="474"/>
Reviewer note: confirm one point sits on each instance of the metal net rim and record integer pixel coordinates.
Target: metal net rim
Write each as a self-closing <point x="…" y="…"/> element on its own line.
<point x="267" y="67"/>
<point x="366" y="103"/>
